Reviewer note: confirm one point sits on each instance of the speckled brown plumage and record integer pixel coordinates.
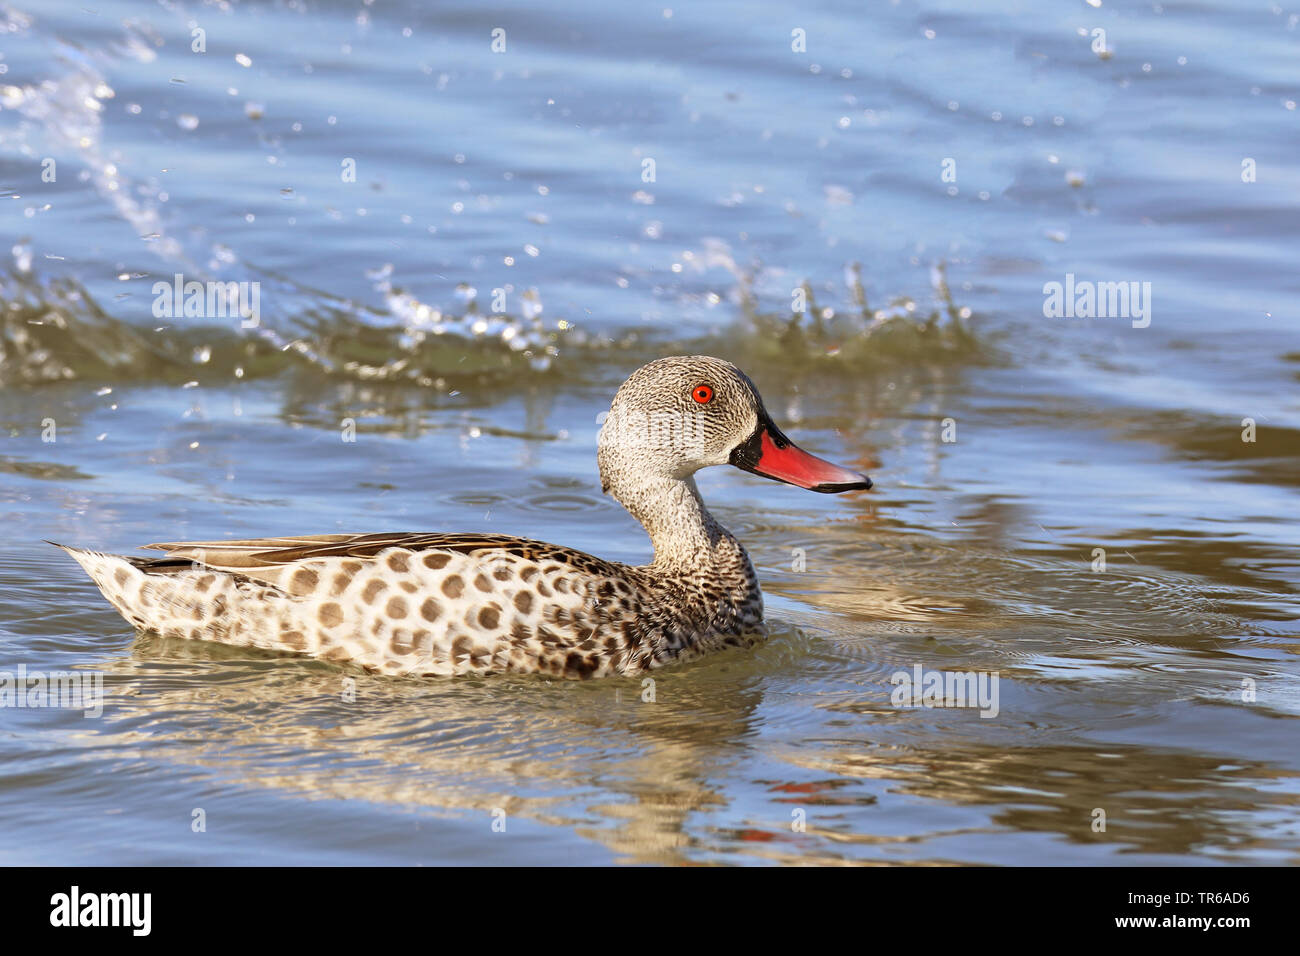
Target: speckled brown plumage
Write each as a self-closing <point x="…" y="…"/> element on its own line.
<point x="424" y="603"/>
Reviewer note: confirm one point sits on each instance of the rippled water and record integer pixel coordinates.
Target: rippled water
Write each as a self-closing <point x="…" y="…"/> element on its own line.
<point x="525" y="171"/>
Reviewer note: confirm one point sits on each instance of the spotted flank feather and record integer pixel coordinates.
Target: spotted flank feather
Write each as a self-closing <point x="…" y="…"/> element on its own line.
<point x="413" y="604"/>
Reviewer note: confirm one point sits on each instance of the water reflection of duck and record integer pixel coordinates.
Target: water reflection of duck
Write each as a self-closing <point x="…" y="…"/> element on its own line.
<point x="432" y="603"/>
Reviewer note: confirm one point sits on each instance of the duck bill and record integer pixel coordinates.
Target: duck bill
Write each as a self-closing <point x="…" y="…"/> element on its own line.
<point x="769" y="453"/>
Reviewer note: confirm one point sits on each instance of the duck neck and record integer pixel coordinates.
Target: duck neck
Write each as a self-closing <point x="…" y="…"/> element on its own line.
<point x="686" y="537"/>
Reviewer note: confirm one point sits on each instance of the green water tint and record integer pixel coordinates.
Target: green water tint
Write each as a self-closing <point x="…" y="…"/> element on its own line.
<point x="859" y="336"/>
<point x="55" y="331"/>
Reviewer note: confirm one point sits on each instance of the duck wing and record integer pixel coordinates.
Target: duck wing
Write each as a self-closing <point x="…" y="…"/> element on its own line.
<point x="266" y="559"/>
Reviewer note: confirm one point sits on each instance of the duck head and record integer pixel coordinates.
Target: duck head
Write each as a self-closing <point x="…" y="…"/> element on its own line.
<point x="677" y="415"/>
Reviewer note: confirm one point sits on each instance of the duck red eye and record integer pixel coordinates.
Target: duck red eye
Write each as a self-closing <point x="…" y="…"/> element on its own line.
<point x="702" y="394"/>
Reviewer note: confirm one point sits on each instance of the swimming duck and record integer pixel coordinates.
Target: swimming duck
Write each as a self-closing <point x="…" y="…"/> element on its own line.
<point x="414" y="603"/>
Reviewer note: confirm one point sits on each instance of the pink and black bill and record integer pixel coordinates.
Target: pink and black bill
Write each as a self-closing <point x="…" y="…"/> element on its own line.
<point x="769" y="453"/>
